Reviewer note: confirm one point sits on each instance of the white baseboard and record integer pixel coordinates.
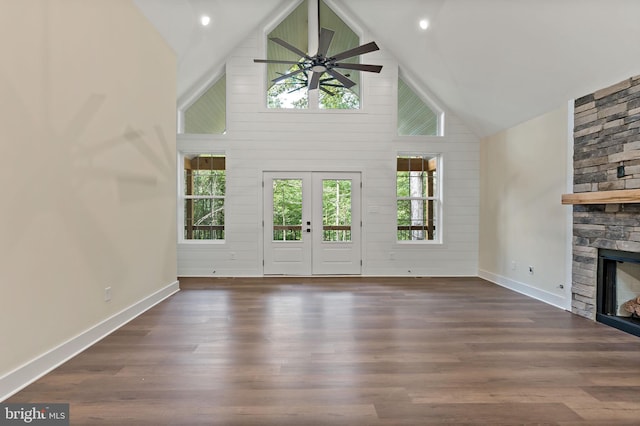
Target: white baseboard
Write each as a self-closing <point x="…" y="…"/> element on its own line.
<point x="527" y="290"/>
<point x="28" y="373"/>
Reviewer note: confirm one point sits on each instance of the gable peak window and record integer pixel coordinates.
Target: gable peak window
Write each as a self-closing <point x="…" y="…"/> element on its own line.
<point x="292" y="92"/>
<point x="208" y="113"/>
<point x="416" y="117"/>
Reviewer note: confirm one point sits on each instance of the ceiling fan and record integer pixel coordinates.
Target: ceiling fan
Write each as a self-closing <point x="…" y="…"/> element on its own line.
<point x="319" y="64"/>
<point x="301" y="81"/>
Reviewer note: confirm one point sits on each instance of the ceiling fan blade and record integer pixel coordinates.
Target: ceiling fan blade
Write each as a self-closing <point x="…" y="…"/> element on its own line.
<point x="285" y="76"/>
<point x="341" y="78"/>
<point x="315" y="80"/>
<point x="326" y="35"/>
<point x="329" y="92"/>
<point x="359" y="67"/>
<point x="290" y="47"/>
<point x="297" y="88"/>
<point x="360" y="50"/>
<point x="274" y="61"/>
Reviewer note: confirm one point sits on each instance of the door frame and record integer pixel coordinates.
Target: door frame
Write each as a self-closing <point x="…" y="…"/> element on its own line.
<point x="310" y="179"/>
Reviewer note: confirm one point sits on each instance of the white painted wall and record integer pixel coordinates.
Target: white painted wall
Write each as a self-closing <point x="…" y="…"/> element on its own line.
<point x="366" y="141"/>
<point x="524" y="172"/>
<point x="86" y="203"/>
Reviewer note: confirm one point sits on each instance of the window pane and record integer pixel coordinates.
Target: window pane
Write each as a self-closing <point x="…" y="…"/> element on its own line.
<point x="204" y="219"/>
<point x="336" y="97"/>
<point x="331" y="97"/>
<point x="209" y="182"/>
<point x="292" y="92"/>
<point x="289" y="93"/>
<point x="416" y="220"/>
<point x="336" y="210"/>
<point x="418" y="184"/>
<point x="287" y="209"/>
<point x="402" y="184"/>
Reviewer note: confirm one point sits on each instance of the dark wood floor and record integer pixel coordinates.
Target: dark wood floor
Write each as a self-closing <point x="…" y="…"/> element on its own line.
<point x="361" y="351"/>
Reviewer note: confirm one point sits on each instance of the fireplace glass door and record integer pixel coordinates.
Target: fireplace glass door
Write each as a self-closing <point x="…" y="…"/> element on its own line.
<point x="618" y="292"/>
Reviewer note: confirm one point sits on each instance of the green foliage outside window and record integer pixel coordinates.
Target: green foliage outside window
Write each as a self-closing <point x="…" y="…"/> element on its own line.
<point x="336" y="210"/>
<point x="287" y="209"/>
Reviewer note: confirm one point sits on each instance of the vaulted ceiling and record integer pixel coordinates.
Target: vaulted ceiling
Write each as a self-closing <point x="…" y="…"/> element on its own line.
<point x="493" y="63"/>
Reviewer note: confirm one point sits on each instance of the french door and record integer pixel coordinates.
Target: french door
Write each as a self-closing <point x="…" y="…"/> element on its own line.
<point x="312" y="223"/>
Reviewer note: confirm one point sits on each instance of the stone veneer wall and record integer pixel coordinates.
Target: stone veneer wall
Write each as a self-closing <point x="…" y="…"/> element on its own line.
<point x="606" y="135"/>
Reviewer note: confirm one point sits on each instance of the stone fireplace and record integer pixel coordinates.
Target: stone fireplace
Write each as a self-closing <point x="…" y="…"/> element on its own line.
<point x="606" y="185"/>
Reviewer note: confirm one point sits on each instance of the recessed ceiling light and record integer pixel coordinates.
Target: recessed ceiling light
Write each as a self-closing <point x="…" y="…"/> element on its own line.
<point x="424" y="24"/>
<point x="205" y="20"/>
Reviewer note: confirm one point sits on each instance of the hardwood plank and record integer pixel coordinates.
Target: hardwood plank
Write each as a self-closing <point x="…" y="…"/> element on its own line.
<point x="350" y="351"/>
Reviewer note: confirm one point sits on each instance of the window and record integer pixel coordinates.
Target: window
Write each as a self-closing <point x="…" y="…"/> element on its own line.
<point x="208" y="114"/>
<point x="418" y="198"/>
<point x="336" y="210"/>
<point x="204" y="195"/>
<point x="287" y="210"/>
<point x="292" y="92"/>
<point x="415" y="117"/>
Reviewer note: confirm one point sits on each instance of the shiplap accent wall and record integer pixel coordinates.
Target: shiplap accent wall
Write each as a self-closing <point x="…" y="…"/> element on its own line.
<point x="366" y="141"/>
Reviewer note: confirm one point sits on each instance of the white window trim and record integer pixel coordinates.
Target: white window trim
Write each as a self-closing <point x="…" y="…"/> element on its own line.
<point x="182" y="197"/>
<point x="438" y="238"/>
<point x="314" y="101"/>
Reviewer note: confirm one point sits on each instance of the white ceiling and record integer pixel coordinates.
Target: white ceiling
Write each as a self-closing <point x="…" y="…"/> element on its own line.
<point x="493" y="63"/>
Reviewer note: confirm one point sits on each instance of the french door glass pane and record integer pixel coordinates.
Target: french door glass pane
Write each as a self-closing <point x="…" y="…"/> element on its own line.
<point x="287" y="209"/>
<point x="336" y="210"/>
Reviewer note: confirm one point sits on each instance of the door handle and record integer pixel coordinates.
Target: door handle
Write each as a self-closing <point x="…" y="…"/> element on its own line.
<point x="308" y="229"/>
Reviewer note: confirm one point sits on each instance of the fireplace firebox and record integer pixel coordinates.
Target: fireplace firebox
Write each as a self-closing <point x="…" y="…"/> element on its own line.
<point x="618" y="290"/>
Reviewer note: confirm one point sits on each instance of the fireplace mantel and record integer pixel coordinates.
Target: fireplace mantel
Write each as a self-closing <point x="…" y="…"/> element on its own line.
<point x="603" y="197"/>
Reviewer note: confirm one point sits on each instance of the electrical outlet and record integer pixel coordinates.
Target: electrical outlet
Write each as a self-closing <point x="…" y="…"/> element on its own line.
<point x="107" y="294"/>
<point x="530" y="270"/>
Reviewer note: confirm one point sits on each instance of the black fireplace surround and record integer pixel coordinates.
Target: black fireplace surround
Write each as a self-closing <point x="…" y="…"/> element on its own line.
<point x="607" y="303"/>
